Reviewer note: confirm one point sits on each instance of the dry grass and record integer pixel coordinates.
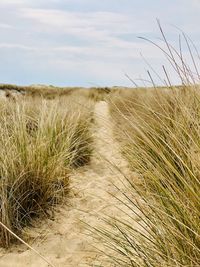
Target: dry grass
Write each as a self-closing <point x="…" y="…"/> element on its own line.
<point x="99" y="94"/>
<point x="49" y="92"/>
<point x="40" y="141"/>
<point x="159" y="131"/>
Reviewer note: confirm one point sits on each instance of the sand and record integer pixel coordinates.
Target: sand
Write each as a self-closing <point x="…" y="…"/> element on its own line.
<point x="65" y="241"/>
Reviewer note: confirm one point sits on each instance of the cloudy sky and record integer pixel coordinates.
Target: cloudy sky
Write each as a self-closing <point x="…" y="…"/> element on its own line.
<point x="88" y="42"/>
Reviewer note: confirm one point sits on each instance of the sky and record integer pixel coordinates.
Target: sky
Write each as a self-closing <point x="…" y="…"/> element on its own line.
<point x="89" y="42"/>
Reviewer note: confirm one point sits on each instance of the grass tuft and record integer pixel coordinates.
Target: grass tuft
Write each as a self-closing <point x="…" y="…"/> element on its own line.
<point x="40" y="141"/>
<point x="159" y="131"/>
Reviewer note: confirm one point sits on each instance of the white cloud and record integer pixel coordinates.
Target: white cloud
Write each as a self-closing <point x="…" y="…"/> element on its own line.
<point x="77" y="22"/>
<point x="99" y="20"/>
<point x="6" y="26"/>
<point x="13" y="2"/>
<point x="102" y="29"/>
<point x="196" y="3"/>
<point x="17" y="46"/>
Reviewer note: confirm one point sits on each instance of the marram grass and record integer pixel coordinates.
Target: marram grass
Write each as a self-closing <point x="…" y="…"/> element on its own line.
<point x="160" y="137"/>
<point x="40" y="141"/>
<point x="159" y="131"/>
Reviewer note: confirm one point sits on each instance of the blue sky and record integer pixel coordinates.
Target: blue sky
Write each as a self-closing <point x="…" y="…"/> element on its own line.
<point x="88" y="42"/>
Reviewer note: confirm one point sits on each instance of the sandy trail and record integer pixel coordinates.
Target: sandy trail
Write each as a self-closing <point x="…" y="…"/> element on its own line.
<point x="64" y="241"/>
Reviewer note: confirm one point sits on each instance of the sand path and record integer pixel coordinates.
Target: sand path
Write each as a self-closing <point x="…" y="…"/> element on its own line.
<point x="64" y="241"/>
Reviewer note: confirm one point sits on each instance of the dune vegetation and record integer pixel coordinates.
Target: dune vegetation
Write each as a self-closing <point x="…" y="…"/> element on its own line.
<point x="159" y="132"/>
<point x="40" y="142"/>
<point x="48" y="92"/>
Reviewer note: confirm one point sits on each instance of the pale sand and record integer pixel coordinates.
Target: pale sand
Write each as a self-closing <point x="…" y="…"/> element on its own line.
<point x="64" y="241"/>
